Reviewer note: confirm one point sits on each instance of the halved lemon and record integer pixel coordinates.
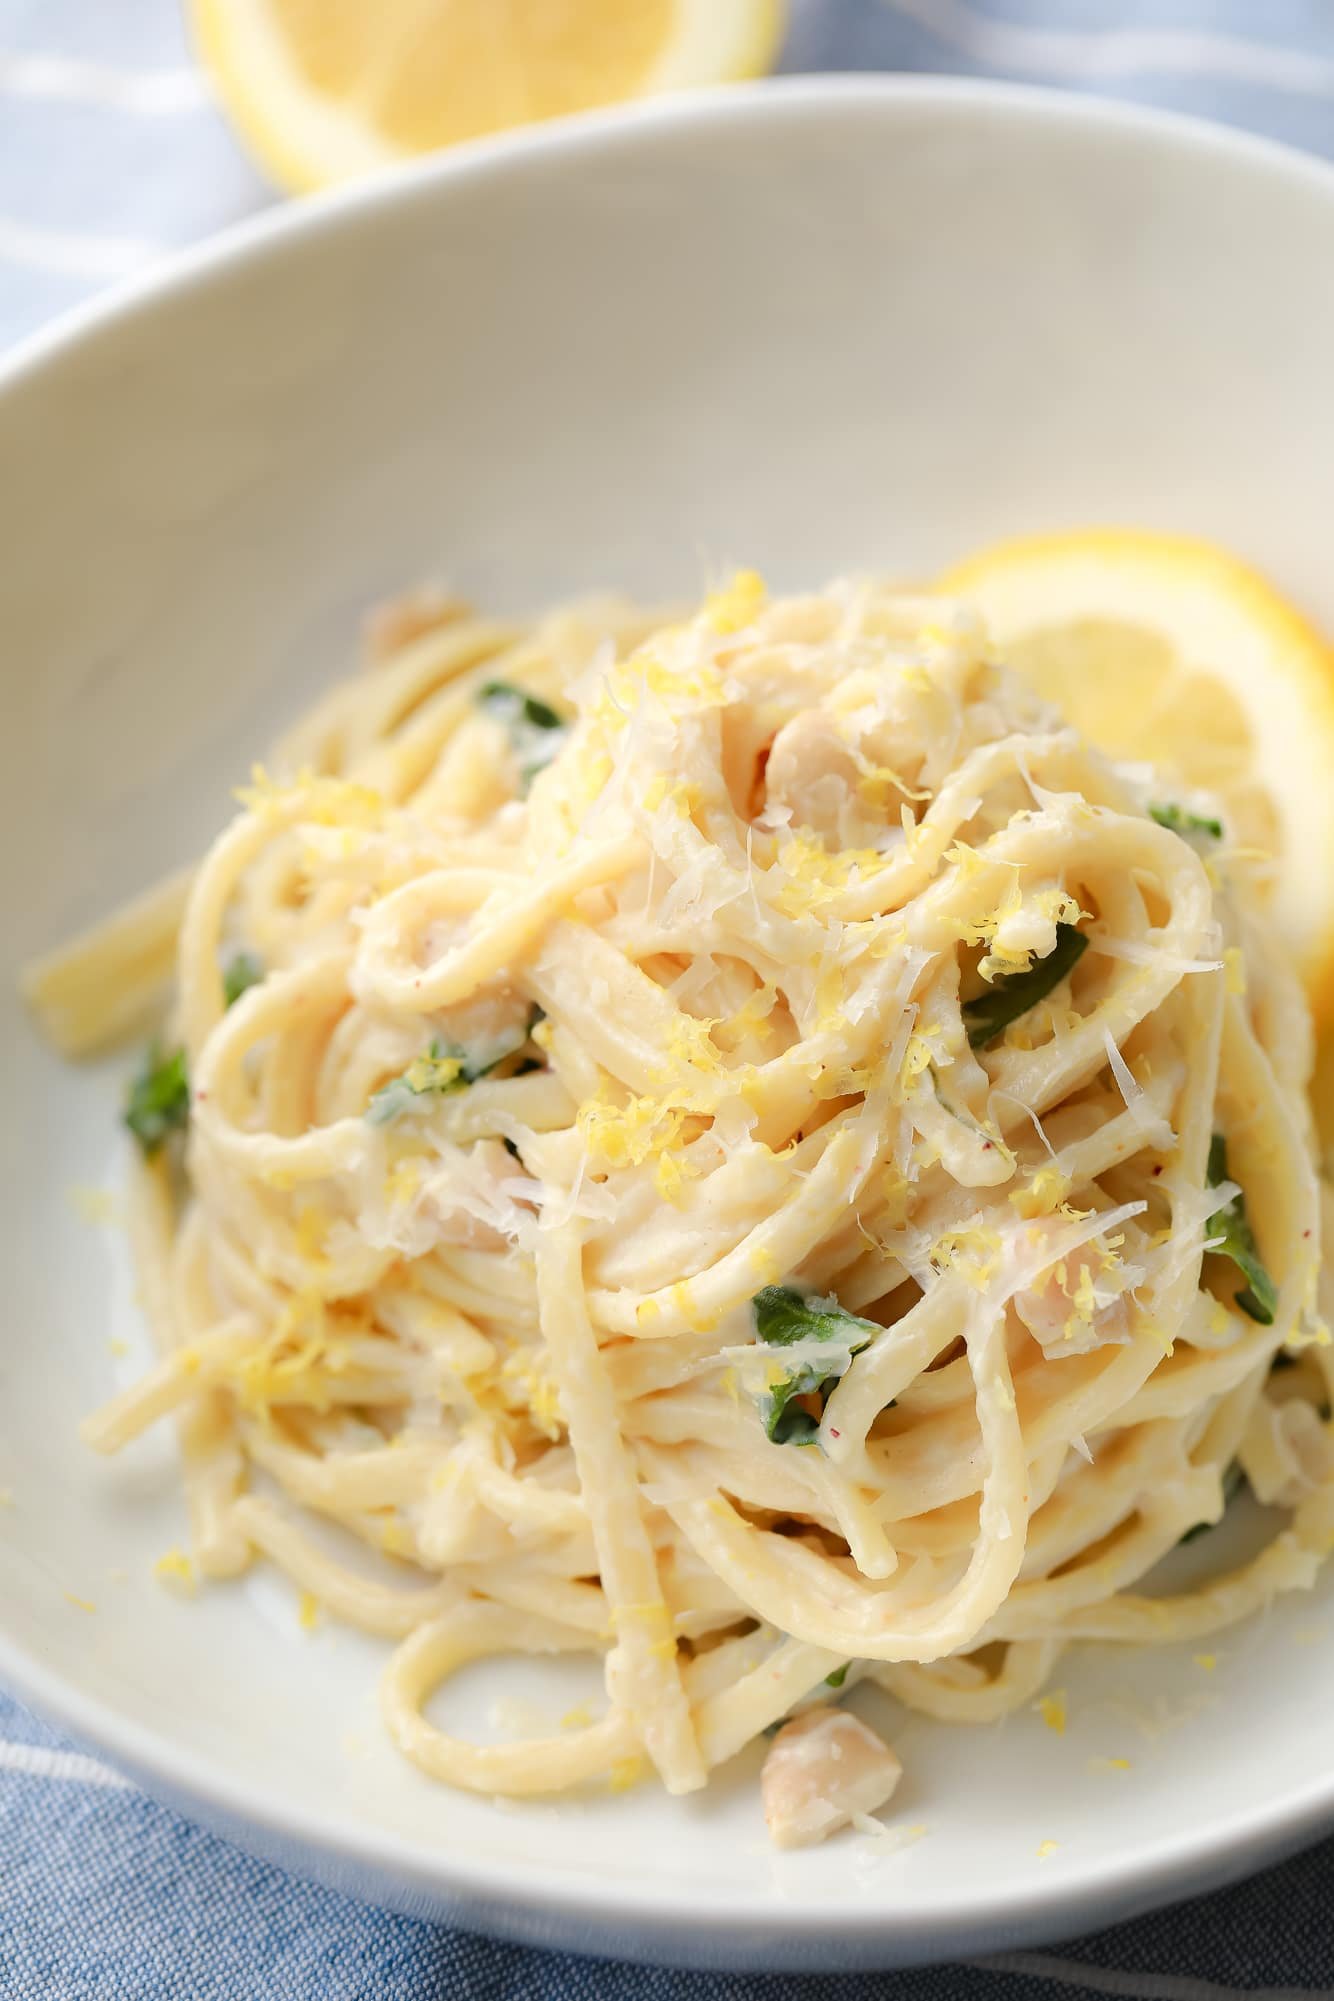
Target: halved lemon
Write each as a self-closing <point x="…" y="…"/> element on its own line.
<point x="1168" y="651"/>
<point x="324" y="90"/>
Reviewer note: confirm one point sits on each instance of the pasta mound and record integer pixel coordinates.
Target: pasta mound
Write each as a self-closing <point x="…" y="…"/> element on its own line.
<point x="742" y="1146"/>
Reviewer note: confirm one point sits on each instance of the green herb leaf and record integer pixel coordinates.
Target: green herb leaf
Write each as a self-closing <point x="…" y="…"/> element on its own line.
<point x="782" y="1318"/>
<point x="838" y="1677"/>
<point x="534" y="726"/>
<point x="241" y="972"/>
<point x="1233" y="1482"/>
<point x="1259" y="1298"/>
<point x="444" y="1069"/>
<point x="515" y="705"/>
<point x="433" y="1075"/>
<point x="989" y="1014"/>
<point x="1178" y="821"/>
<point x="159" y="1100"/>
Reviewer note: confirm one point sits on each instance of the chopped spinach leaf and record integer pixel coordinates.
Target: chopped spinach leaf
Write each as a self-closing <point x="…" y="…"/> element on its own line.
<point x="1178" y="821"/>
<point x="241" y="972"/>
<point x="1236" y="1240"/>
<point x="989" y="1014"/>
<point x="783" y="1318"/>
<point x="159" y="1099"/>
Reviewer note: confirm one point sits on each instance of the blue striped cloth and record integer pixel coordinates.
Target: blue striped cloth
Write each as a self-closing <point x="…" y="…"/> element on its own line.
<point x="110" y="156"/>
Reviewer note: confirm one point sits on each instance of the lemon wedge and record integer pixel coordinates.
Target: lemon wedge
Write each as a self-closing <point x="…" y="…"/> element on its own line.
<point x="325" y="90"/>
<point x="1166" y="650"/>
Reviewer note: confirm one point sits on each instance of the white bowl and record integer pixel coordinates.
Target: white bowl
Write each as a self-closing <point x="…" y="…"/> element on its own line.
<point x="818" y="327"/>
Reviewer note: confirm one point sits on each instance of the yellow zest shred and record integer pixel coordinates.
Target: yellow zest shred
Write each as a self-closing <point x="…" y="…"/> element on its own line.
<point x="690" y="1041"/>
<point x="918" y="1055"/>
<point x="738" y="604"/>
<point x="764" y="1264"/>
<point x="1044" y="1194"/>
<point x="294" y="1364"/>
<point x="432" y="1073"/>
<point x="175" y="1569"/>
<point x="973" y="1252"/>
<point x="683" y="1299"/>
<point x="628" y="1135"/>
<point x="326" y="802"/>
<point x="540" y="1390"/>
<point x="1052" y="1710"/>
<point x="678" y="689"/>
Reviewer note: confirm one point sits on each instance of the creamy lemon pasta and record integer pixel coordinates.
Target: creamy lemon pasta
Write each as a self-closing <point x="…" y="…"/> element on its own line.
<point x="736" y="1145"/>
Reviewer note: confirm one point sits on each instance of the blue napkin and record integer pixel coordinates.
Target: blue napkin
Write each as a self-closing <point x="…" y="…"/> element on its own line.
<point x="106" y="1896"/>
<point x="112" y="156"/>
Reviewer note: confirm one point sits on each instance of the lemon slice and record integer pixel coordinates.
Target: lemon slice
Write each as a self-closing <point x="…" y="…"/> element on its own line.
<point x="1168" y="651"/>
<point x="324" y="90"/>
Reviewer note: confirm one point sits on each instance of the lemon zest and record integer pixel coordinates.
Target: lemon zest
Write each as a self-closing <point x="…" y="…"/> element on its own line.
<point x="176" y="1569"/>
